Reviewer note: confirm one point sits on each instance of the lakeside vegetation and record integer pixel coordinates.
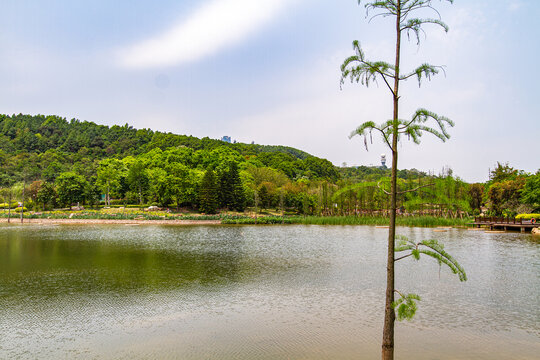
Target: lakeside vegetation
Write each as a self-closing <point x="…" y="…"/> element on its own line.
<point x="48" y="163"/>
<point x="241" y="219"/>
<point x="413" y="221"/>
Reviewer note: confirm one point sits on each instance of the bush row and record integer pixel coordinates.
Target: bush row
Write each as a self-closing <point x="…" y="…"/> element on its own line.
<point x="528" y="216"/>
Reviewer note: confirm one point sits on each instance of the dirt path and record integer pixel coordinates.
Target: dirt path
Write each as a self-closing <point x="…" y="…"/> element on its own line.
<point x="112" y="221"/>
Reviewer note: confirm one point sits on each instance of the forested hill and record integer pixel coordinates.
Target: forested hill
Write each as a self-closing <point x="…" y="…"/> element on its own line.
<point x="40" y="133"/>
<point x="50" y="162"/>
<point x="53" y="141"/>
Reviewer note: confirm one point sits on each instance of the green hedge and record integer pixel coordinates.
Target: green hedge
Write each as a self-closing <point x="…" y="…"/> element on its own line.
<point x="5" y="205"/>
<point x="528" y="216"/>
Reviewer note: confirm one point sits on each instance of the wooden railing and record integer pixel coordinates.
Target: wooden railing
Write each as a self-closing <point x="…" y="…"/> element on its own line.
<point x="499" y="220"/>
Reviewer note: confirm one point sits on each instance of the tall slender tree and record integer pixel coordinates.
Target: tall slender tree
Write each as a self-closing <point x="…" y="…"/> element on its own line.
<point x="239" y="196"/>
<point x="137" y="178"/>
<point x="357" y="68"/>
<point x="208" y="193"/>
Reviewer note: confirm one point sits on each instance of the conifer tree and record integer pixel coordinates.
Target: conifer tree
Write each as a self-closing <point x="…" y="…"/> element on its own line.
<point x="238" y="195"/>
<point x="225" y="191"/>
<point x="231" y="190"/>
<point x="208" y="195"/>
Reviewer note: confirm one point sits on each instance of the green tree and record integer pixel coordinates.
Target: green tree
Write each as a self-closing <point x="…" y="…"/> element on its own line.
<point x="137" y="178"/>
<point x="231" y="190"/>
<point x="476" y="193"/>
<point x="92" y="194"/>
<point x="504" y="196"/>
<point x="33" y="191"/>
<point x="264" y="196"/>
<point x="358" y="68"/>
<point x="179" y="186"/>
<point x="157" y="181"/>
<point x="70" y="188"/>
<point x="108" y="176"/>
<point x="239" y="196"/>
<point x="51" y="171"/>
<point x="503" y="172"/>
<point x="531" y="191"/>
<point x="208" y="196"/>
<point x="46" y="196"/>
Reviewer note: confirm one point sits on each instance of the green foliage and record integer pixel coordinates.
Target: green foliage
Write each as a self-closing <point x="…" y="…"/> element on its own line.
<point x="504" y="196"/>
<point x="525" y="216"/>
<point x="531" y="191"/>
<point x="503" y="172"/>
<point x="46" y="195"/>
<point x="263" y="220"/>
<point x="142" y="166"/>
<point x="431" y="248"/>
<point x="421" y="221"/>
<point x="208" y="193"/>
<point x="12" y="205"/>
<point x="405" y="306"/>
<point x="63" y="143"/>
<point x="231" y="190"/>
<point x="109" y="174"/>
<point x="157" y="178"/>
<point x="137" y="178"/>
<point x="357" y="68"/>
<point x="70" y="188"/>
<point x="476" y="193"/>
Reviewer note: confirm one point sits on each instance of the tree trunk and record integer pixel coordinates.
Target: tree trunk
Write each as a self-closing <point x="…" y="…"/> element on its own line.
<point x="9" y="207"/>
<point x="389" y="314"/>
<point x="22" y="208"/>
<point x="256" y="195"/>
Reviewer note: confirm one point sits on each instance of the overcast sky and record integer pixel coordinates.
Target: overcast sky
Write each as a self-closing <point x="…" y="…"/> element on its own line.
<point x="268" y="71"/>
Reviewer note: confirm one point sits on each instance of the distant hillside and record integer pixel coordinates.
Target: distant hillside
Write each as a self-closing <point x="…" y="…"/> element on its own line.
<point x="362" y="173"/>
<point x="40" y="133"/>
<point x="46" y="141"/>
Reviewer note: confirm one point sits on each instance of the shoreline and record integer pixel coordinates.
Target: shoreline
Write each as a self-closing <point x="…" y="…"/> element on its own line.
<point x="425" y="222"/>
<point x="17" y="221"/>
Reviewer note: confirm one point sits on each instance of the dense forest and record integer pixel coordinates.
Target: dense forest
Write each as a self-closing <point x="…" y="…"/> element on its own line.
<point x="51" y="162"/>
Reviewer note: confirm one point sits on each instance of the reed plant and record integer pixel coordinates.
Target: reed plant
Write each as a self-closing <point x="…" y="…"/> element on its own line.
<point x="412" y="221"/>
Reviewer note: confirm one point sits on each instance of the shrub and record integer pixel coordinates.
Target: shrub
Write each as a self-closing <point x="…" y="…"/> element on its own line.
<point x="12" y="206"/>
<point x="528" y="216"/>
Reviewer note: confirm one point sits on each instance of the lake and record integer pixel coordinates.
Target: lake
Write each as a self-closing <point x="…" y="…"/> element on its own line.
<point x="259" y="292"/>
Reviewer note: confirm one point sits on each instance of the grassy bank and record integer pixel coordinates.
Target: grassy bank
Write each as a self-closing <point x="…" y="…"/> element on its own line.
<point x="115" y="214"/>
<point x="109" y="215"/>
<point x="413" y="221"/>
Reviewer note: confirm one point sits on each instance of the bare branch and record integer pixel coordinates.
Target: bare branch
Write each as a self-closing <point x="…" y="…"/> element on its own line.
<point x="384" y="191"/>
<point x="403" y="257"/>
<point x="412" y="190"/>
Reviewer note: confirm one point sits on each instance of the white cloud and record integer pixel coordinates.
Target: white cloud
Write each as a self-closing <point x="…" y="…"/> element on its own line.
<point x="214" y="26"/>
<point x="515" y="5"/>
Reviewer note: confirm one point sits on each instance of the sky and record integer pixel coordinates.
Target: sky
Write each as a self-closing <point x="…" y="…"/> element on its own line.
<point x="268" y="71"/>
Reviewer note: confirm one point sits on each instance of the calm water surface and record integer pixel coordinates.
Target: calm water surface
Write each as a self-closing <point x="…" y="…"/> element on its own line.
<point x="246" y="292"/>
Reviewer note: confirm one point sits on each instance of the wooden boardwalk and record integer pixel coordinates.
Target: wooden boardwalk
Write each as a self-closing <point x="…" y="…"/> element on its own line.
<point x="504" y="223"/>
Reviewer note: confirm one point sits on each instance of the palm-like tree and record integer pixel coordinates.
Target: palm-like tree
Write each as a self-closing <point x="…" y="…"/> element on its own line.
<point x="357" y="68"/>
